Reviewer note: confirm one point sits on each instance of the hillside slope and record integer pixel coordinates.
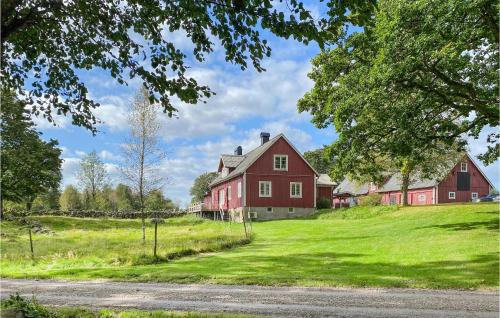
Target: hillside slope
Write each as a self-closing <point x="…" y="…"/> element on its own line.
<point x="448" y="246"/>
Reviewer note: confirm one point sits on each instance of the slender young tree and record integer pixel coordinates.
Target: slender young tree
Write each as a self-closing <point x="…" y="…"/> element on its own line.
<point x="142" y="153"/>
<point x="92" y="175"/>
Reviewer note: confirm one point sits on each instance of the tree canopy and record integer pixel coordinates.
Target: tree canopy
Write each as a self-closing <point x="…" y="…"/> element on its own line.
<point x="45" y="44"/>
<point x="319" y="160"/>
<point x="409" y="85"/>
<point x="30" y="166"/>
<point x="201" y="186"/>
<point x="408" y="88"/>
<point x="92" y="175"/>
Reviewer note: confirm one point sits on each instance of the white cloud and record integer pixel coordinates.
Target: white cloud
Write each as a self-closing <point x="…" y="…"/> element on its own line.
<point x="107" y="155"/>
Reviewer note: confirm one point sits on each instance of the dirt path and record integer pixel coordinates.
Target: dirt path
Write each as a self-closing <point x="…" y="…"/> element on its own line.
<point x="269" y="301"/>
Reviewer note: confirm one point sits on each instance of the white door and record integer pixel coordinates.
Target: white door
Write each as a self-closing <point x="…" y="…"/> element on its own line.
<point x="221" y="198"/>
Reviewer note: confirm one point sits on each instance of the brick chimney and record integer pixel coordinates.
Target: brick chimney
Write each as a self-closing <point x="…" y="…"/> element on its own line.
<point x="264" y="137"/>
<point x="238" y="151"/>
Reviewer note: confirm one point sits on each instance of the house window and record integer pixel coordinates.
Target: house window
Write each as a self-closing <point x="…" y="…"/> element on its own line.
<point x="474" y="195"/>
<point x="229" y="192"/>
<point x="265" y="189"/>
<point x="295" y="189"/>
<point x="463" y="167"/>
<point x="451" y="195"/>
<point x="269" y="209"/>
<point x="281" y="162"/>
<point x="239" y="189"/>
<point x="421" y="198"/>
<point x="291" y="210"/>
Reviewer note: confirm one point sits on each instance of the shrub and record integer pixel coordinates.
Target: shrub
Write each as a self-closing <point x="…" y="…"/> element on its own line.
<point x="323" y="203"/>
<point x="370" y="200"/>
<point x="19" y="306"/>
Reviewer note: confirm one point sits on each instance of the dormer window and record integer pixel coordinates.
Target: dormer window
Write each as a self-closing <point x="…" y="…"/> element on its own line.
<point x="463" y="167"/>
<point x="281" y="162"/>
<point x="225" y="171"/>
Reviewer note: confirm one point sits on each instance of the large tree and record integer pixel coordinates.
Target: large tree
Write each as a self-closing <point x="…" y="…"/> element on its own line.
<point x="381" y="113"/>
<point x="142" y="153"/>
<point x="70" y="199"/>
<point x="445" y="52"/>
<point x="30" y="166"/>
<point x="319" y="160"/>
<point x="92" y="176"/>
<point x="201" y="186"/>
<point x="45" y="44"/>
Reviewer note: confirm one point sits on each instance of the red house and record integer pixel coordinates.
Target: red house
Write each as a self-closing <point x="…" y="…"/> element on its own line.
<point x="464" y="183"/>
<point x="273" y="181"/>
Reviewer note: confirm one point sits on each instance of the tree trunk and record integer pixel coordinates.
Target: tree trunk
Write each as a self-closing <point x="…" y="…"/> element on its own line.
<point x="31" y="244"/>
<point x="143" y="224"/>
<point x="404" y="188"/>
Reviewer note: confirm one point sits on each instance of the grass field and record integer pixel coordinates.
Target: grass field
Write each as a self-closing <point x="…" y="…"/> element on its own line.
<point x="72" y="243"/>
<point x="446" y="246"/>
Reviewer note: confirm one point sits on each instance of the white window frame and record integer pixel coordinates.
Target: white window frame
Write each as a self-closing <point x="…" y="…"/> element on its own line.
<point x="474" y="195"/>
<point x="451" y="195"/>
<point x="229" y="193"/>
<point x="239" y="189"/>
<point x="280" y="168"/>
<point x="269" y="211"/>
<point x="270" y="189"/>
<point x="291" y="210"/>
<point x="422" y="195"/>
<point x="462" y="167"/>
<point x="296" y="196"/>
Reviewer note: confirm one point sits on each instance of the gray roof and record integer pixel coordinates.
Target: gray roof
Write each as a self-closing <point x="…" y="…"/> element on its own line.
<point x="394" y="183"/>
<point x="231" y="161"/>
<point x="247" y="160"/>
<point x="324" y="180"/>
<point x="351" y="187"/>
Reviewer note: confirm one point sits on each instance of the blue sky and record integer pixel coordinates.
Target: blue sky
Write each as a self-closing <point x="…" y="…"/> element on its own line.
<point x="247" y="102"/>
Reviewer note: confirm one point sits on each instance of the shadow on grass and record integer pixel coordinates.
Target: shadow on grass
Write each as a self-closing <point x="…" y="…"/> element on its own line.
<point x="314" y="269"/>
<point x="491" y="225"/>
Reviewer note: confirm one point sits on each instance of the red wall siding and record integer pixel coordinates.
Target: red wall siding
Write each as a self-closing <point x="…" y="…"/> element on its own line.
<point x="412" y="196"/>
<point x="298" y="171"/>
<point x="324" y="192"/>
<point x="235" y="202"/>
<point x="477" y="184"/>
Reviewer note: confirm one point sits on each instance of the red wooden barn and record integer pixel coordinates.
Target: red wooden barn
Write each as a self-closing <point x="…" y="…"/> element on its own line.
<point x="272" y="181"/>
<point x="464" y="183"/>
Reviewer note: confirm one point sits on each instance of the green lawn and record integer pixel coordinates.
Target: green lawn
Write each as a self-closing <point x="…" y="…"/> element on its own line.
<point x="446" y="246"/>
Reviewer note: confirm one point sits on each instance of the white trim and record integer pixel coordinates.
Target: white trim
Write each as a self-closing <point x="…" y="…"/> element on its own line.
<point x="270" y="189"/>
<point x="315" y="194"/>
<point x="244" y="189"/>
<point x="268" y="145"/>
<point x="269" y="207"/>
<point x="238" y="189"/>
<point x="462" y="167"/>
<point x="450" y="196"/>
<point x="480" y="171"/>
<point x="474" y="197"/>
<point x="300" y="154"/>
<point x="229" y="193"/>
<point x="299" y="196"/>
<point x="281" y="168"/>
<point x="291" y="210"/>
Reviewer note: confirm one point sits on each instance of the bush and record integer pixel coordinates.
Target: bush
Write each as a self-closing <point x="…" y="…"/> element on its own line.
<point x="323" y="203"/>
<point x="20" y="307"/>
<point x="370" y="200"/>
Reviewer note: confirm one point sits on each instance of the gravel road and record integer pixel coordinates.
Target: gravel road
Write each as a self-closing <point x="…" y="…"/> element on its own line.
<point x="266" y="301"/>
